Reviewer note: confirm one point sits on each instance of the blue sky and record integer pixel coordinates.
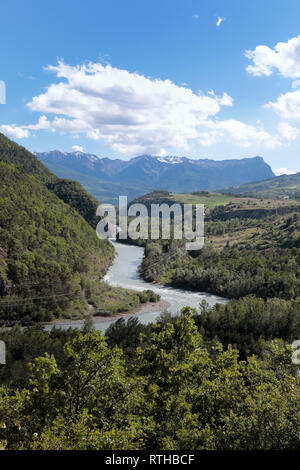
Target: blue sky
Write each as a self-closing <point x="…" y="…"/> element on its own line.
<point x="125" y="77"/>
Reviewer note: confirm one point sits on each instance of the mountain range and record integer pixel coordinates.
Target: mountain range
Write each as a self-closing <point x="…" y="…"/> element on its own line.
<point x="107" y="178"/>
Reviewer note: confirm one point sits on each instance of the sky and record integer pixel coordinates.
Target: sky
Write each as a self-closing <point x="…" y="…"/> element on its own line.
<point x="118" y="78"/>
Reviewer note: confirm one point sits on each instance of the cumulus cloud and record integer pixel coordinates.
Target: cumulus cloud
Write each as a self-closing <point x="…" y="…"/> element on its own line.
<point x="284" y="57"/>
<point x="43" y="123"/>
<point x="287" y="105"/>
<point x="283" y="171"/>
<point x="135" y="114"/>
<point x="14" y="131"/>
<point x="287" y="131"/>
<point x="129" y="112"/>
<point x="77" y="148"/>
<point x="243" y="134"/>
<point x="21" y="132"/>
<point x="226" y="100"/>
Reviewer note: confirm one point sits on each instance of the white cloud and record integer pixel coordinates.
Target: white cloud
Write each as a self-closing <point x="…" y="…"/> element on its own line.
<point x="134" y="114"/>
<point x="226" y="100"/>
<point x="14" y="131"/>
<point x="285" y="58"/>
<point x="287" y="131"/>
<point x="296" y="84"/>
<point x="219" y="21"/>
<point x="22" y="132"/>
<point x="129" y="112"/>
<point x="77" y="148"/>
<point x="196" y="17"/>
<point x="283" y="171"/>
<point x="43" y="123"/>
<point x="243" y="134"/>
<point x="287" y="105"/>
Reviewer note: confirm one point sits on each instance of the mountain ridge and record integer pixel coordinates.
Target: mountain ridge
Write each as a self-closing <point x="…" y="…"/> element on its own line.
<point x="280" y="186"/>
<point x="147" y="173"/>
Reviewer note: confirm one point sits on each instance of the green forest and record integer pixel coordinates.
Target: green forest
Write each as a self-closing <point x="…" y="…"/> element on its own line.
<point x="159" y="386"/>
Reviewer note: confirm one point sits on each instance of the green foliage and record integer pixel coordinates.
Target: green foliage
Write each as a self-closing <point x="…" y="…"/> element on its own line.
<point x="65" y="434"/>
<point x="89" y="402"/>
<point x="108" y="301"/>
<point x="126" y="334"/>
<point x="264" y="262"/>
<point x="49" y="252"/>
<point x="10" y="152"/>
<point x="249" y="322"/>
<point x="24" y="345"/>
<point x="170" y="385"/>
<point x="174" y="393"/>
<point x="73" y="194"/>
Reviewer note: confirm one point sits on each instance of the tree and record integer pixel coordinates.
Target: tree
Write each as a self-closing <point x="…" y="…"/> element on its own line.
<point x="88" y="324"/>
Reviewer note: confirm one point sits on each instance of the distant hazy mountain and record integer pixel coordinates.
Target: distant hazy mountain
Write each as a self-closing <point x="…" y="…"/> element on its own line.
<point x="107" y="178"/>
<point x="280" y="186"/>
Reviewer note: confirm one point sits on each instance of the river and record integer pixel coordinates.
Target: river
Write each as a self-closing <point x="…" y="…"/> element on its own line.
<point x="123" y="273"/>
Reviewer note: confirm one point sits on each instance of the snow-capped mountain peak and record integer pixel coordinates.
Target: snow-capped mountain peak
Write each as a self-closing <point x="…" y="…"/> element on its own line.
<point x="171" y="160"/>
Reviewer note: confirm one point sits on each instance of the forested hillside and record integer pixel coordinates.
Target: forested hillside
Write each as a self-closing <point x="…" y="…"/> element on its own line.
<point x="71" y="192"/>
<point x="281" y="186"/>
<point x="50" y="257"/>
<point x="51" y="261"/>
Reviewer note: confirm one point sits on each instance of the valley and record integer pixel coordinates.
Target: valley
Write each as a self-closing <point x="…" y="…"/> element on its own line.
<point x="150" y="232"/>
<point x="149" y="326"/>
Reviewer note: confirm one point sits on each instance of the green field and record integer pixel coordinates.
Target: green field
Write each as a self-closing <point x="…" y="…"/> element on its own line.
<point x="210" y="200"/>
